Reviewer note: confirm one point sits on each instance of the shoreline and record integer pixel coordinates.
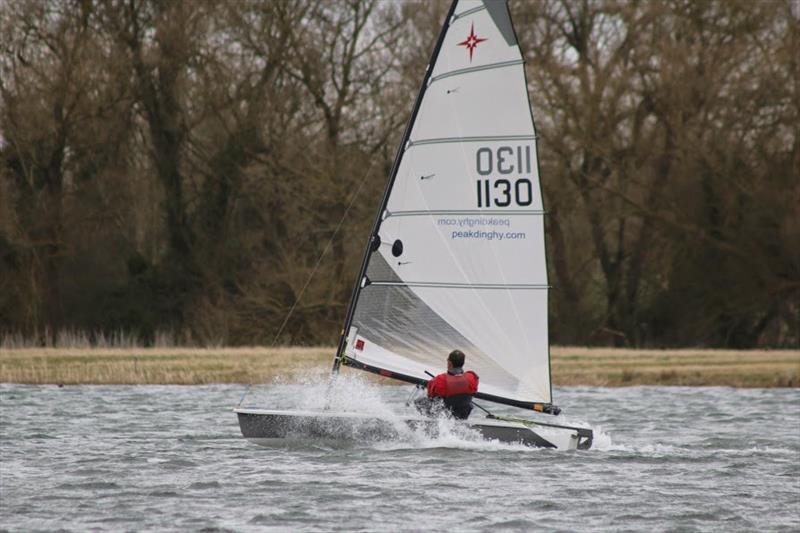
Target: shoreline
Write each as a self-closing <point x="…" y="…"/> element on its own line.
<point x="570" y="366"/>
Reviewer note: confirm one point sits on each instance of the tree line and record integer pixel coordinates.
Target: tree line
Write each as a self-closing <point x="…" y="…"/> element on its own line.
<point x="187" y="165"/>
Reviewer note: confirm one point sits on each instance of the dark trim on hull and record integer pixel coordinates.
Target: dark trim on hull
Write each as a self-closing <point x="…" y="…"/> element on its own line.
<point x="282" y="426"/>
<point x="585" y="435"/>
<point x="547" y="408"/>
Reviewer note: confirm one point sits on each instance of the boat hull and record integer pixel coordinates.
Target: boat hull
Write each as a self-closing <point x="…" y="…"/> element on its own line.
<point x="264" y="426"/>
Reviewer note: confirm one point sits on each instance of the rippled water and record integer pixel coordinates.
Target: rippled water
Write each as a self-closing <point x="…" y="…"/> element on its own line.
<point x="171" y="457"/>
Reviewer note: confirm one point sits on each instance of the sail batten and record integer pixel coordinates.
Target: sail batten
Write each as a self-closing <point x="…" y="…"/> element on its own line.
<point x="490" y="66"/>
<point x="459" y="285"/>
<point x="462" y="212"/>
<point x="456" y="258"/>
<point x="495" y="138"/>
<point x="468" y="12"/>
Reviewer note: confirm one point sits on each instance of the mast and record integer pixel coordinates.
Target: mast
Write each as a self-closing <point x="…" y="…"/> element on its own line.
<point x="374" y="240"/>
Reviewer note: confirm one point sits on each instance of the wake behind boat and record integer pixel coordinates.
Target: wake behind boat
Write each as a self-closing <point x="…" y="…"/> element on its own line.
<point x="456" y="255"/>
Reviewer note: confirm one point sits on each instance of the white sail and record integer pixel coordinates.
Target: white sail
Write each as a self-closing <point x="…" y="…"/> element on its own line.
<point x="461" y="260"/>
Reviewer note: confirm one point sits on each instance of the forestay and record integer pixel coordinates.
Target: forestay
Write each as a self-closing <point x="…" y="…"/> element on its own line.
<point x="457" y="258"/>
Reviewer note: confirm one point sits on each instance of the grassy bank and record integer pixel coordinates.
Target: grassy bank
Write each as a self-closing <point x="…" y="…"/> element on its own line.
<point x="570" y="366"/>
<point x="622" y="367"/>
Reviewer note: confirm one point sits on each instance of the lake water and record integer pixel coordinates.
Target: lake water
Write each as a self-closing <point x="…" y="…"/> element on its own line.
<point x="171" y="458"/>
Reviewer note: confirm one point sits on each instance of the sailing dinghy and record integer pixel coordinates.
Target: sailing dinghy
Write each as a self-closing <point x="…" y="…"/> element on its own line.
<point x="456" y="256"/>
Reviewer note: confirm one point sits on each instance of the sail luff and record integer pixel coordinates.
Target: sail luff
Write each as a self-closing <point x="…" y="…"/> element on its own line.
<point x="387" y="192"/>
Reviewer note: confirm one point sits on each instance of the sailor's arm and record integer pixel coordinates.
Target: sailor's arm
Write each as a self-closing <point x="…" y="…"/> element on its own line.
<point x="474" y="379"/>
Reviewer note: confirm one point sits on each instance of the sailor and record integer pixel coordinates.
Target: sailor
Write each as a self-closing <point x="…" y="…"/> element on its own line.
<point x="454" y="389"/>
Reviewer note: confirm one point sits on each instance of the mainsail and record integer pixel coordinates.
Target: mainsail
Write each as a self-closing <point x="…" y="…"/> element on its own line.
<point x="456" y="259"/>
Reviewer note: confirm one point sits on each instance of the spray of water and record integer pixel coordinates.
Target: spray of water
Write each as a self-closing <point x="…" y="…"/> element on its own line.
<point x="366" y="414"/>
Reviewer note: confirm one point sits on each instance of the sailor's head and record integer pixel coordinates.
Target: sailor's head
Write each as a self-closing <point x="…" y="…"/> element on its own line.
<point x="455" y="359"/>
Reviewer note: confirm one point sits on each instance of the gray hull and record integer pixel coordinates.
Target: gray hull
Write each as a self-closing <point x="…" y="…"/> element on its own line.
<point x="262" y="424"/>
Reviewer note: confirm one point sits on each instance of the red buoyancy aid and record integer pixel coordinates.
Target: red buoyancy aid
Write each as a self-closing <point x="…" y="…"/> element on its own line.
<point x="446" y="385"/>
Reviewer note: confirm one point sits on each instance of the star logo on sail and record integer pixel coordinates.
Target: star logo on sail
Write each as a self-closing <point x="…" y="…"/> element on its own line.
<point x="471" y="42"/>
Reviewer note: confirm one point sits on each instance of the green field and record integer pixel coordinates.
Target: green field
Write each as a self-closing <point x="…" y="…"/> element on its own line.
<point x="570" y="366"/>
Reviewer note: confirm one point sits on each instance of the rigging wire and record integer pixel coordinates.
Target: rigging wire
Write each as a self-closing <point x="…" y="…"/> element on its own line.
<point x="488" y="414"/>
<point x="362" y="181"/>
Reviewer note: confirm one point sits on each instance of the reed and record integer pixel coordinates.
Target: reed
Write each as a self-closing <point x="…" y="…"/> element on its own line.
<point x="688" y="367"/>
<point x="570" y="366"/>
<point x="80" y="338"/>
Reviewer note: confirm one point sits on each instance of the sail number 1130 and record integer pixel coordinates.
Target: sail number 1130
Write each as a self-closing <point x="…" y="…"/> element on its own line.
<point x="503" y="192"/>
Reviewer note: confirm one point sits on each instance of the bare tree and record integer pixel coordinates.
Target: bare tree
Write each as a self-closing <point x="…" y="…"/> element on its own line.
<point x="637" y="99"/>
<point x="53" y="95"/>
